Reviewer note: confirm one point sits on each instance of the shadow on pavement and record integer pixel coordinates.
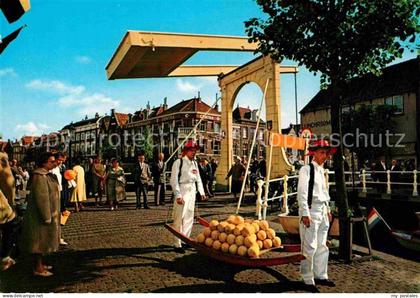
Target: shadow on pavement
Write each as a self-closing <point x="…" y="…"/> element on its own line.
<point x="77" y="267"/>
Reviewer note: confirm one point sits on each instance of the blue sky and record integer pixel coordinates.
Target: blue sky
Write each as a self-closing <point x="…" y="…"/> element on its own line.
<point x="54" y="72"/>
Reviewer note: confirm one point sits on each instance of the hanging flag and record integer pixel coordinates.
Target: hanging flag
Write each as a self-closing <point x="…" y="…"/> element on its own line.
<point x="286" y="141"/>
<point x="9" y="38"/>
<point x="374" y="217"/>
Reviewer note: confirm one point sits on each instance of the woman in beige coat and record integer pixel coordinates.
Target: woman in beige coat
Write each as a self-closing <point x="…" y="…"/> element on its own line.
<point x="7" y="214"/>
<point x="79" y="192"/>
<point x="41" y="225"/>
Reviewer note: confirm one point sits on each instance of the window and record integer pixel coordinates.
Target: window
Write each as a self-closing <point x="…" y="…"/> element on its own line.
<point x="203" y="126"/>
<point x="216" y="127"/>
<point x="92" y="149"/>
<point x="235" y="148"/>
<point x="235" y="133"/>
<point x="77" y="136"/>
<point x="82" y="137"/>
<point x="244" y="133"/>
<point x="261" y="135"/>
<point x="216" y="147"/>
<point x="203" y="148"/>
<point x="397" y="101"/>
<point x="252" y="132"/>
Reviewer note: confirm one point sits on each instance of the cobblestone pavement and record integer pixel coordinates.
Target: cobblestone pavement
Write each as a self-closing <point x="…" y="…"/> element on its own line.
<point x="129" y="250"/>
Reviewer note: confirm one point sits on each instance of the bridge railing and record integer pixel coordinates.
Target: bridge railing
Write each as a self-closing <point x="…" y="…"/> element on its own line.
<point x="359" y="180"/>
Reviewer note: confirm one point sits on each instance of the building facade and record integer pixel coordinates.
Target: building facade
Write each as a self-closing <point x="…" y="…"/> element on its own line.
<point x="244" y="125"/>
<point x="399" y="86"/>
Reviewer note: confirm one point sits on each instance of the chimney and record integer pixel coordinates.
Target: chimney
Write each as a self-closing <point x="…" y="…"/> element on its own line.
<point x="130" y="116"/>
<point x="165" y="103"/>
<point x="112" y="111"/>
<point x="198" y="96"/>
<point x="254" y="115"/>
<point x="96" y="115"/>
<point x="148" y="105"/>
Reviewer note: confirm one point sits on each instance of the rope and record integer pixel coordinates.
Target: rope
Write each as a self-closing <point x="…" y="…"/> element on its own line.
<point x="252" y="146"/>
<point x="185" y="140"/>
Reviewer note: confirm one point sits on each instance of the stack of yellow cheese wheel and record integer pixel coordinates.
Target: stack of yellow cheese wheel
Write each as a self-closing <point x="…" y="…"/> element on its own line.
<point x="238" y="236"/>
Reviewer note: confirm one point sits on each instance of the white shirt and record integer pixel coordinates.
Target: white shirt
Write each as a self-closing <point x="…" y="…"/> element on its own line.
<point x="56" y="172"/>
<point x="189" y="174"/>
<point x="320" y="193"/>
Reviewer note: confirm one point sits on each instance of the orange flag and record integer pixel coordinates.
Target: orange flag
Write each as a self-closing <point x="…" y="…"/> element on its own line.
<point x="279" y="140"/>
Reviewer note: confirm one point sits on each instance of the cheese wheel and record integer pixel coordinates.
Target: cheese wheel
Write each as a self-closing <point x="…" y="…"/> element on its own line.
<point x="276" y="242"/>
<point x="230" y="228"/>
<point x="215" y="234"/>
<point x="201" y="238"/>
<point x="213" y="224"/>
<point x="248" y="230"/>
<point x="238" y="230"/>
<point x="209" y="242"/>
<point x="256" y="226"/>
<point x="261" y="235"/>
<point x="233" y="249"/>
<point x="249" y="241"/>
<point x="263" y="225"/>
<point x="253" y="251"/>
<point x="222" y="237"/>
<point x="271" y="233"/>
<point x="239" y="240"/>
<point x="217" y="245"/>
<point x="242" y="250"/>
<point x="221" y="227"/>
<point x="267" y="243"/>
<point x="225" y="247"/>
<point x="230" y="239"/>
<point x="207" y="232"/>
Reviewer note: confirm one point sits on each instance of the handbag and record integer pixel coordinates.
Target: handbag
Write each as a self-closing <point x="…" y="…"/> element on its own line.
<point x="121" y="180"/>
<point x="6" y="212"/>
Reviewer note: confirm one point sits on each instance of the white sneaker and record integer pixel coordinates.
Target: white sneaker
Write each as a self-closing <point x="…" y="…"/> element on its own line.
<point x="62" y="242"/>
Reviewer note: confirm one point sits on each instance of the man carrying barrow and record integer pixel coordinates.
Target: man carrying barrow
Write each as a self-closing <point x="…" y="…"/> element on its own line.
<point x="315" y="216"/>
<point x="185" y="181"/>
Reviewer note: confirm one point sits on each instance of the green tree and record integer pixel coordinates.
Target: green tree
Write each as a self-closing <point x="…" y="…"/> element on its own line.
<point x="364" y="127"/>
<point x="339" y="39"/>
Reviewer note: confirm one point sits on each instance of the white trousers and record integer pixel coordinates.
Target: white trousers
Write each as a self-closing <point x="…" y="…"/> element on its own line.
<point x="314" y="245"/>
<point x="183" y="215"/>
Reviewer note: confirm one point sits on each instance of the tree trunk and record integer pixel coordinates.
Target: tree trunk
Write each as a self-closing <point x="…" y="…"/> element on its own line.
<point x="345" y="250"/>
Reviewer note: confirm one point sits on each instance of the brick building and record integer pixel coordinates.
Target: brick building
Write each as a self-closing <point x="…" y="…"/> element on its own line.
<point x="399" y="86"/>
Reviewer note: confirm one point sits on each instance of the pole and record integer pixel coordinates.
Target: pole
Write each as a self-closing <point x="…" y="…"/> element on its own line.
<point x="267" y="180"/>
<point x="187" y="137"/>
<point x="252" y="147"/>
<point x="296" y="103"/>
<point x="387" y="225"/>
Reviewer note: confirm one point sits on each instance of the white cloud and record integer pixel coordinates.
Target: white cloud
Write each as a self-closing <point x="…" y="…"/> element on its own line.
<point x="7" y="71"/>
<point x="32" y="128"/>
<point x="83" y="59"/>
<point x="76" y="97"/>
<point x="89" y="104"/>
<point x="185" y="86"/>
<point x="209" y="80"/>
<point x="57" y="87"/>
